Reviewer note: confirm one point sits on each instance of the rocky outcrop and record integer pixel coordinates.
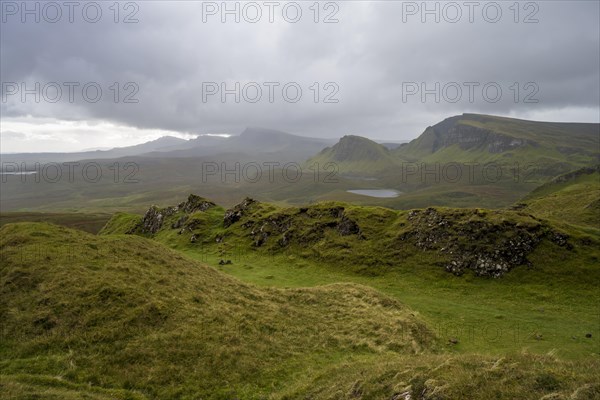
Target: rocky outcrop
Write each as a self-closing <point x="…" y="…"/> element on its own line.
<point x="471" y="243"/>
<point x="306" y="225"/>
<point x="195" y="203"/>
<point x="234" y="214"/>
<point x="467" y="137"/>
<point x="154" y="218"/>
<point x="347" y="227"/>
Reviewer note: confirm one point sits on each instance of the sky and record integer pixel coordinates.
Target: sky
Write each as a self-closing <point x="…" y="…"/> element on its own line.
<point x="80" y="75"/>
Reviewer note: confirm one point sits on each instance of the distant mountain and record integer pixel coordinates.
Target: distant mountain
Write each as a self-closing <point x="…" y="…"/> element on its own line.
<point x="555" y="147"/>
<point x="356" y="155"/>
<point x="484" y="138"/>
<point x="165" y="143"/>
<point x="256" y="144"/>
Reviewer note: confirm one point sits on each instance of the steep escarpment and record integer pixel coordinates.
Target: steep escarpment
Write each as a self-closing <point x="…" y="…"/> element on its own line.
<point x="474" y="137"/>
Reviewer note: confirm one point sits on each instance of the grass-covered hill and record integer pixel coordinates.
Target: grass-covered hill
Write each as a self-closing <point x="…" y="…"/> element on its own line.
<point x="87" y="222"/>
<point x="464" y="161"/>
<point x="486" y="138"/>
<point x="356" y="155"/>
<point x="546" y="272"/>
<point x="573" y="197"/>
<point x="486" y="242"/>
<point x="124" y="317"/>
<point x="553" y="147"/>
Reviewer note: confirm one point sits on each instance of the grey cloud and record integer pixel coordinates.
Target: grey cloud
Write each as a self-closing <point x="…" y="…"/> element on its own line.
<point x="369" y="54"/>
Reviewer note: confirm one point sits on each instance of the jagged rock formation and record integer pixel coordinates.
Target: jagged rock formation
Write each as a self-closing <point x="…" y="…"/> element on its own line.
<point x="154" y="218"/>
<point x="305" y="225"/>
<point x="487" y="248"/>
<point x="488" y="242"/>
<point x="233" y="215"/>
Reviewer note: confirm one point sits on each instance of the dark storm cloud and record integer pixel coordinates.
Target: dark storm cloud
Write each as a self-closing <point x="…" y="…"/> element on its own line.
<point x="370" y="54"/>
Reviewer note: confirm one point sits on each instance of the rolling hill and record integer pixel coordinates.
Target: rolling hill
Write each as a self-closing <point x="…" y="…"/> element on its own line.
<point x="465" y="161"/>
<point x="356" y="155"/>
<point x="124" y="317"/>
<point x="573" y="197"/>
<point x="254" y="143"/>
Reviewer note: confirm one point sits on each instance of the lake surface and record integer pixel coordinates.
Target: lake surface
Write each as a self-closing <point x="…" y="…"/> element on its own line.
<point x="381" y="193"/>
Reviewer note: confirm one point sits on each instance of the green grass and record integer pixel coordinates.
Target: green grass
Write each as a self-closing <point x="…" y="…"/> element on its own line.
<point x="126" y="313"/>
<point x="573" y="198"/>
<point x="87" y="222"/>
<point x="555" y="297"/>
<point x="125" y="317"/>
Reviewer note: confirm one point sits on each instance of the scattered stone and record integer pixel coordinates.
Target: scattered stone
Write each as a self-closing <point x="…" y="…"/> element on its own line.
<point x="193" y="239"/>
<point x="453" y="341"/>
<point x="225" y="262"/>
<point x="588" y="335"/>
<point x="559" y="238"/>
<point x="538" y="336"/>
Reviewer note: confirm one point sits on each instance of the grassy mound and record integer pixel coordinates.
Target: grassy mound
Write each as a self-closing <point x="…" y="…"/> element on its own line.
<point x="376" y="240"/>
<point x="122" y="313"/>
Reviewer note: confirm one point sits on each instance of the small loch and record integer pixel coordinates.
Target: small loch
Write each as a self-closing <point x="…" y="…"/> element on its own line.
<point x="380" y="193"/>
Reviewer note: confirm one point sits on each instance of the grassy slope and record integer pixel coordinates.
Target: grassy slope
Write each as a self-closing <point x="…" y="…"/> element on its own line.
<point x="548" y="137"/>
<point x="76" y="325"/>
<point x="124" y="313"/>
<point x="91" y="223"/>
<point x="355" y="155"/>
<point x="489" y="316"/>
<point x="573" y="198"/>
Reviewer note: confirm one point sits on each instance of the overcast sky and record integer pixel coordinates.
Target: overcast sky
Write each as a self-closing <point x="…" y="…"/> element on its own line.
<point x="374" y="61"/>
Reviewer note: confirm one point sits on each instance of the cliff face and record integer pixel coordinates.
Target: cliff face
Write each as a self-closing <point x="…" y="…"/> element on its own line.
<point x="487" y="138"/>
<point x="452" y="131"/>
<point x="470" y="136"/>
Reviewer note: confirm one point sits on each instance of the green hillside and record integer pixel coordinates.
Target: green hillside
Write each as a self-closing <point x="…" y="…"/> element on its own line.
<point x="125" y="317"/>
<point x="529" y="276"/>
<point x="114" y="316"/>
<point x="485" y="242"/>
<point x="91" y="223"/>
<point x="572" y="198"/>
<point x="356" y="155"/>
<point x="554" y="147"/>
